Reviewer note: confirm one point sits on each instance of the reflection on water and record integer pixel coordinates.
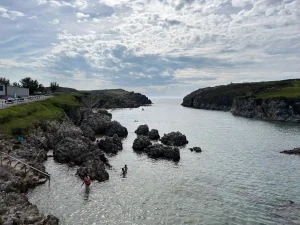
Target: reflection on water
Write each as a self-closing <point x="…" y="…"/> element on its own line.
<point x="239" y="178"/>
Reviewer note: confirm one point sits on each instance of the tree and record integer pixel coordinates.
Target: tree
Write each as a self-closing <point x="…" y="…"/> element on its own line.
<point x="54" y="86"/>
<point x="16" y="84"/>
<point x="41" y="88"/>
<point x="3" y="80"/>
<point x="32" y="85"/>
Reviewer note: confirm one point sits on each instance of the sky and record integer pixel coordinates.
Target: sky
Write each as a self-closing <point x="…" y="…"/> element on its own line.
<point x="157" y="47"/>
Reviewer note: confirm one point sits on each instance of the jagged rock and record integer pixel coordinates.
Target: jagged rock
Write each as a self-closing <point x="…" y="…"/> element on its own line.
<point x="195" y="149"/>
<point x="295" y="151"/>
<point x="95" y="169"/>
<point x="141" y="142"/>
<point x="142" y="130"/>
<point x="88" y="132"/>
<point x="51" y="220"/>
<point x="153" y="134"/>
<point x="174" y="139"/>
<point x="160" y="151"/>
<point x="115" y="127"/>
<point x="111" y="144"/>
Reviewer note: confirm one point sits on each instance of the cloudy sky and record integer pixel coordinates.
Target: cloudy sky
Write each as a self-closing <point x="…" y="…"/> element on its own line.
<point x="158" y="47"/>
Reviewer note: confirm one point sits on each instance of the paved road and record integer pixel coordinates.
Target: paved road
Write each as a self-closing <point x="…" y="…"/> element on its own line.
<point x="3" y="105"/>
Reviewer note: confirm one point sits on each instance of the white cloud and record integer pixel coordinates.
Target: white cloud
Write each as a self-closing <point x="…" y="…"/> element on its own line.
<point x="80" y="15"/>
<point x="10" y="14"/>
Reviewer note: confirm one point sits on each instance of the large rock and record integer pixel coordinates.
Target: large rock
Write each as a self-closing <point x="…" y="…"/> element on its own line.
<point x="142" y="130"/>
<point x="153" y="134"/>
<point x="95" y="169"/>
<point x="115" y="127"/>
<point x="141" y="142"/>
<point x="174" y="139"/>
<point x="165" y="152"/>
<point x="88" y="132"/>
<point x="111" y="144"/>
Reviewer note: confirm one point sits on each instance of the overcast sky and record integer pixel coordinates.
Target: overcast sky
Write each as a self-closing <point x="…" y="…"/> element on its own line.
<point x="158" y="47"/>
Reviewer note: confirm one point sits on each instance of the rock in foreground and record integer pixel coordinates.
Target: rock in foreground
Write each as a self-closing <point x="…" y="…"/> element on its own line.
<point x="295" y="151"/>
<point x="157" y="151"/>
<point x="142" y="130"/>
<point x="174" y="139"/>
<point x="153" y="134"/>
<point x="141" y="142"/>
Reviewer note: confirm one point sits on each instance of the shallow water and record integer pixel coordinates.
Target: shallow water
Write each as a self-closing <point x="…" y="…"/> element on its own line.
<point x="239" y="178"/>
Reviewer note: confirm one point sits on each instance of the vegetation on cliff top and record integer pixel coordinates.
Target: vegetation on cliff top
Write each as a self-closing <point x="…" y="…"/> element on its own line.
<point x="222" y="97"/>
<point x="20" y="119"/>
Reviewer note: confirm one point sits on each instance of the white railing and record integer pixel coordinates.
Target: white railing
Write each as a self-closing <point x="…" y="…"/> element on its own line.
<point x="26" y="166"/>
<point x="5" y="103"/>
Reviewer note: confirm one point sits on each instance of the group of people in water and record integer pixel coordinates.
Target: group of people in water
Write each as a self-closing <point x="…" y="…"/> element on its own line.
<point x="124" y="170"/>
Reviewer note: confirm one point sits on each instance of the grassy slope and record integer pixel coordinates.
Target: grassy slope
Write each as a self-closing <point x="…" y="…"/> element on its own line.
<point x="22" y="118"/>
<point x="293" y="91"/>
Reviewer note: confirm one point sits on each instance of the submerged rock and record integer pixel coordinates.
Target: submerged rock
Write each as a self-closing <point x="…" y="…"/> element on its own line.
<point x="195" y="149"/>
<point x="141" y="142"/>
<point x="142" y="130"/>
<point x="153" y="134"/>
<point x="174" y="139"/>
<point x="295" y="151"/>
<point x="111" y="144"/>
<point x="165" y="152"/>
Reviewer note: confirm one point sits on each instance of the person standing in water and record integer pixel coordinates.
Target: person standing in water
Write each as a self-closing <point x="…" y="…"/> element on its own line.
<point x="125" y="168"/>
<point x="87" y="182"/>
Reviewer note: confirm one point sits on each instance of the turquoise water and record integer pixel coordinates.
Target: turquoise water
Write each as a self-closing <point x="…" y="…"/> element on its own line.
<point x="239" y="178"/>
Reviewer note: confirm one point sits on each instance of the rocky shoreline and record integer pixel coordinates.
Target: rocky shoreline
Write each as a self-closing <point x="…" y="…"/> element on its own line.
<point x="72" y="142"/>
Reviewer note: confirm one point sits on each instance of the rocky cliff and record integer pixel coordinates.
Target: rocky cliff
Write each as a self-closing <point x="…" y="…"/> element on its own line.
<point x="274" y="100"/>
<point x="279" y="109"/>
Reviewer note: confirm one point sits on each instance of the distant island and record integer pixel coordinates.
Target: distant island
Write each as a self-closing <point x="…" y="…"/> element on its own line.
<point x="271" y="100"/>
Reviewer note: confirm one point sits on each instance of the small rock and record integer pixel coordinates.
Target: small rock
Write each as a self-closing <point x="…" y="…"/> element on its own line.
<point x="165" y="152"/>
<point x="195" y="149"/>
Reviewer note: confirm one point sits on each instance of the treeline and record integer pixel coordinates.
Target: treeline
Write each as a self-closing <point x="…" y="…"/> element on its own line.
<point x="33" y="85"/>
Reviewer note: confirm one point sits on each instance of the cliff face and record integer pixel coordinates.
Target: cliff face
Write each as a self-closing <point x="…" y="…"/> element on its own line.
<point x="278" y="109"/>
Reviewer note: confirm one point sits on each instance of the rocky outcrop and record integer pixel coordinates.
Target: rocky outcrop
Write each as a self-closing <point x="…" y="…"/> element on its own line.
<point x="157" y="151"/>
<point x="141" y="142"/>
<point x="115" y="127"/>
<point x="111" y="144"/>
<point x="14" y="204"/>
<point x="110" y="99"/>
<point x="174" y="139"/>
<point x="279" y="109"/>
<point x="142" y="130"/>
<point x="153" y="134"/>
<point x="295" y="151"/>
<point x="95" y="169"/>
<point x="195" y="149"/>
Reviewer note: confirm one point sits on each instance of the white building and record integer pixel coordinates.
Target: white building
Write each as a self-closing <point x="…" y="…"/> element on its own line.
<point x="6" y="90"/>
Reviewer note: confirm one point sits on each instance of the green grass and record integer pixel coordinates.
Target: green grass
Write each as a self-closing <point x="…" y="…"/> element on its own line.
<point x="21" y="119"/>
<point x="287" y="92"/>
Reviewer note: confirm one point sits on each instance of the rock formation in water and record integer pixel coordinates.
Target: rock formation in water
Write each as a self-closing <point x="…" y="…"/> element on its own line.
<point x="141" y="142"/>
<point x="111" y="144"/>
<point x="142" y="130"/>
<point x="159" y="151"/>
<point x="196" y="149"/>
<point x="274" y="100"/>
<point x="295" y="151"/>
<point x="153" y="134"/>
<point x="174" y="139"/>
